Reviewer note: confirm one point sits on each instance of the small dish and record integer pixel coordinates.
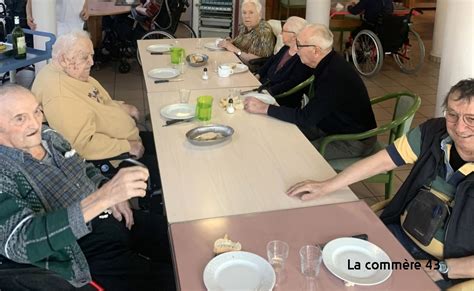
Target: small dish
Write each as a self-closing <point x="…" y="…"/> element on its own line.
<point x="209" y="134"/>
<point x="179" y="111"/>
<point x="265" y="98"/>
<point x="159" y="48"/>
<point x="197" y="60"/>
<point x="237" y="67"/>
<point x="212" y="46"/>
<point x="163" y="73"/>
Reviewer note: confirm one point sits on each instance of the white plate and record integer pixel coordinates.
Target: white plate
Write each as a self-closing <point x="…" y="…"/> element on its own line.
<point x="237" y="67"/>
<point x="163" y="73"/>
<point x="212" y="46"/>
<point x="159" y="48"/>
<point x="266" y="98"/>
<point x="239" y="271"/>
<point x="178" y="111"/>
<point x="338" y="252"/>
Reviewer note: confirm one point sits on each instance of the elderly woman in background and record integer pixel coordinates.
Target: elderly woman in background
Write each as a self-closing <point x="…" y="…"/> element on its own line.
<point x="256" y="38"/>
<point x="285" y="70"/>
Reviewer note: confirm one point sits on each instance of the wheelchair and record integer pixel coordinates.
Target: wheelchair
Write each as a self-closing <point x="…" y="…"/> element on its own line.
<point x="122" y="32"/>
<point x="391" y="35"/>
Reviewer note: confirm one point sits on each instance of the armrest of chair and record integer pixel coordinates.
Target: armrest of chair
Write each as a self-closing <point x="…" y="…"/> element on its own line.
<point x="297" y="88"/>
<point x="353" y="136"/>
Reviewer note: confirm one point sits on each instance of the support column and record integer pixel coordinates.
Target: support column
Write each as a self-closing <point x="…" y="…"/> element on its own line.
<point x="44" y="13"/>
<point x="457" y="62"/>
<point x="438" y="32"/>
<point x="317" y="11"/>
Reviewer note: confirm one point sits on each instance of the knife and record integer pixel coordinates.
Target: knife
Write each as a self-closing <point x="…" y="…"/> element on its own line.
<point x="173" y="121"/>
<point x="159" y="53"/>
<point x="166" y="81"/>
<point x="259" y="89"/>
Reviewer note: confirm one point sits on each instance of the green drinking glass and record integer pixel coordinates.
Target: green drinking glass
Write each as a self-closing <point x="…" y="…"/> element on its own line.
<point x="177" y="55"/>
<point x="204" y="108"/>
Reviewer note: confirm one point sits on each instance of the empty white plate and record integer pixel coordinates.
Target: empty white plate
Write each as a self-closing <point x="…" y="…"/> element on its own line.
<point x="178" y="111"/>
<point x="163" y="73"/>
<point x="212" y="46"/>
<point x="266" y="98"/>
<point x="241" y="271"/>
<point x="159" y="48"/>
<point x="237" y="67"/>
<point x="341" y="253"/>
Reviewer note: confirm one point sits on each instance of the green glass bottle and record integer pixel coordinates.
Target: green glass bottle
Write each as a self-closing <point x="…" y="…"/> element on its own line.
<point x="19" y="42"/>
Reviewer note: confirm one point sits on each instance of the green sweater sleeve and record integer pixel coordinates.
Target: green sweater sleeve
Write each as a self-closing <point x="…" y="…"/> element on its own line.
<point x="29" y="236"/>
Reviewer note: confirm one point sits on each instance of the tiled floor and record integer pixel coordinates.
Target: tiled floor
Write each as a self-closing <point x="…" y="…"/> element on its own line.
<point x="131" y="88"/>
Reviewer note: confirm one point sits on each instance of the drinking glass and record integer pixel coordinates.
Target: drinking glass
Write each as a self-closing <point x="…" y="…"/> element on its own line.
<point x="184" y="95"/>
<point x="277" y="252"/>
<point x="204" y="108"/>
<point x="214" y="65"/>
<point x="199" y="43"/>
<point x="311" y="258"/>
<point x="177" y="54"/>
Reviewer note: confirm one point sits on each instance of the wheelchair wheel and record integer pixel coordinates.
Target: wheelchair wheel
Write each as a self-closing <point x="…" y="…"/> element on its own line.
<point x="411" y="56"/>
<point x="184" y="31"/>
<point x="367" y="53"/>
<point x="156" y="34"/>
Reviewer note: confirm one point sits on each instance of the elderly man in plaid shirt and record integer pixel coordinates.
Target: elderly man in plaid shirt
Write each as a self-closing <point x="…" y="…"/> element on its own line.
<point x="52" y="207"/>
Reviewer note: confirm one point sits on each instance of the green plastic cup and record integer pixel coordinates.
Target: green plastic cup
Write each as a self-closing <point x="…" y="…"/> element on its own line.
<point x="204" y="108"/>
<point x="177" y="55"/>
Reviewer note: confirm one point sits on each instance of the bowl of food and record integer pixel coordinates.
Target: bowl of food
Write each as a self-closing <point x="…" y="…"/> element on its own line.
<point x="197" y="60"/>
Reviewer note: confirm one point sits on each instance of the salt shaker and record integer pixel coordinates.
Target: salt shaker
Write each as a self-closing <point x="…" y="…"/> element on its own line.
<point x="230" y="106"/>
<point x="204" y="74"/>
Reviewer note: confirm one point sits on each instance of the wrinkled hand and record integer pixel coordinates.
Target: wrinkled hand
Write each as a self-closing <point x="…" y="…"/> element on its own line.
<point x="123" y="210"/>
<point x="84" y="14"/>
<point x="227" y="44"/>
<point x="127" y="183"/>
<point x="434" y="274"/>
<point x="131" y="110"/>
<point x="307" y="190"/>
<point x="31" y="23"/>
<point x="136" y="149"/>
<point x="253" y="105"/>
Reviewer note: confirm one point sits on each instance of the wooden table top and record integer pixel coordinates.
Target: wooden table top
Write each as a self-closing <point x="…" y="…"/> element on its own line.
<point x="246" y="174"/>
<point x="192" y="244"/>
<point x="192" y="76"/>
<point x="102" y="8"/>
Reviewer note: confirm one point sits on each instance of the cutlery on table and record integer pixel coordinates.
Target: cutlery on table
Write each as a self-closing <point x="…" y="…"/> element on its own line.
<point x="166" y="81"/>
<point x="174" y="121"/>
<point x="158" y="53"/>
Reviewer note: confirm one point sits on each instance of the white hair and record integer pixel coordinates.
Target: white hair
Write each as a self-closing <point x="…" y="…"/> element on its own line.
<point x="65" y="43"/>
<point x="320" y="36"/>
<point x="296" y="24"/>
<point x="258" y="5"/>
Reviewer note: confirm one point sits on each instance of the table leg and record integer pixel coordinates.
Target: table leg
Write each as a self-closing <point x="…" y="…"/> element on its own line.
<point x="94" y="25"/>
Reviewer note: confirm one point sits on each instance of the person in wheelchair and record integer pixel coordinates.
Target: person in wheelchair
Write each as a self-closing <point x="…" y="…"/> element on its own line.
<point x="79" y="108"/>
<point x="436" y="196"/>
<point x="372" y="11"/>
<point x="340" y="104"/>
<point x="62" y="220"/>
<point x="255" y="39"/>
<point x="285" y="70"/>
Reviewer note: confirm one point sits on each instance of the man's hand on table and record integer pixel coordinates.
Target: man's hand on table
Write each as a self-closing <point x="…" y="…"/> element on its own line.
<point x="136" y="148"/>
<point x="307" y="190"/>
<point x="253" y="105"/>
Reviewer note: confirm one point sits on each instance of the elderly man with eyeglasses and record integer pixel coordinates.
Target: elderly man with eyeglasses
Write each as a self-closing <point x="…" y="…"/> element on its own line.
<point x="437" y="195"/>
<point x="340" y="105"/>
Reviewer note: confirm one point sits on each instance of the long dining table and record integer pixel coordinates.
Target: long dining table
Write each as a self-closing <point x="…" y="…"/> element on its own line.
<point x="247" y="174"/>
<point x="192" y="244"/>
<point x="192" y="75"/>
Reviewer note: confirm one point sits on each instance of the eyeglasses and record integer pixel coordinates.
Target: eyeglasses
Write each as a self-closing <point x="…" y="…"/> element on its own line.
<point x="299" y="45"/>
<point x="453" y="117"/>
<point x="287" y="31"/>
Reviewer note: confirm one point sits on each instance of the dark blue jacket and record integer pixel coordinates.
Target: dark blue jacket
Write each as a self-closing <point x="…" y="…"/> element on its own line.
<point x="291" y="74"/>
<point x="372" y="9"/>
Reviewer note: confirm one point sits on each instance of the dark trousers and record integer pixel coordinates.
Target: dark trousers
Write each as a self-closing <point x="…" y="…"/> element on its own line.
<point x="139" y="259"/>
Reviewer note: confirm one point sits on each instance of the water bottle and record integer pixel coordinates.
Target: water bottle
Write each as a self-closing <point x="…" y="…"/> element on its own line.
<point x="19" y="41"/>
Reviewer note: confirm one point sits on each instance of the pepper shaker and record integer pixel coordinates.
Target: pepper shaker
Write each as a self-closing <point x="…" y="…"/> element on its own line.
<point x="204" y="76"/>
<point x="230" y="106"/>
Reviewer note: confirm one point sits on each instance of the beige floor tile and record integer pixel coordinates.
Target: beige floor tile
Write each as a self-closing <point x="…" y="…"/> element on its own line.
<point x="420" y="89"/>
<point x="378" y="189"/>
<point x="427" y="110"/>
<point x="360" y="190"/>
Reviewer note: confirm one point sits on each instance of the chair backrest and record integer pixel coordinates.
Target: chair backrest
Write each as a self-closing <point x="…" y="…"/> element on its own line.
<point x="406" y="105"/>
<point x="276" y="28"/>
<point x="392" y="31"/>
